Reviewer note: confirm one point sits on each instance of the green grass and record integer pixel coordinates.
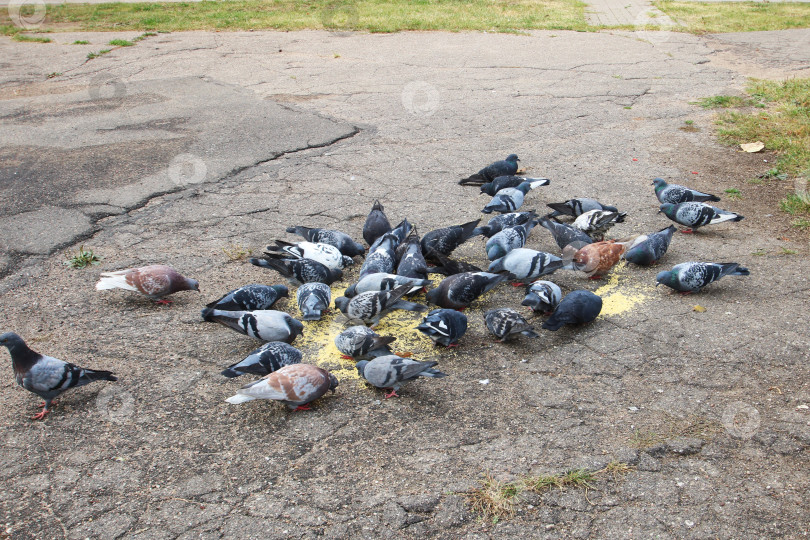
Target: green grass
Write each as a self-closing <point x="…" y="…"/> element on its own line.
<point x="801" y="223"/>
<point x="722" y="102"/>
<point x="92" y="55"/>
<point x="82" y="258"/>
<point x="794" y="205"/>
<point x="733" y="193"/>
<point x="717" y="17"/>
<point x="121" y="43"/>
<point x="81" y="42"/>
<point x="31" y="39"/>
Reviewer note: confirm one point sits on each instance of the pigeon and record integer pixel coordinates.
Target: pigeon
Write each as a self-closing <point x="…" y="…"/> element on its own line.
<point x="265" y="324"/>
<point x="542" y="296"/>
<point x="577" y="307"/>
<point x="376" y="224"/>
<point x="370" y="307"/>
<point x="675" y="194"/>
<point x="46" y="376"/>
<point x="250" y="297"/>
<point x="690" y="277"/>
<point x="503" y="182"/>
<point x="295" y="386"/>
<point x="361" y="341"/>
<point x="526" y="264"/>
<point x="391" y="371"/>
<point x="300" y="271"/>
<point x="510" y="199"/>
<point x="507" y="167"/>
<point x="154" y="281"/>
<point x="444" y="326"/>
<point x="577" y="207"/>
<point x="647" y="249"/>
<point x="697" y="214"/>
<point x="447" y="239"/>
<point x="448" y="266"/>
<point x="340" y="240"/>
<point x="327" y="255"/>
<point x="502" y="221"/>
<point x="383" y="282"/>
<point x="313" y="299"/>
<point x="268" y="358"/>
<point x="402" y="231"/>
<point x="508" y="239"/>
<point x="595" y="223"/>
<point x="412" y="263"/>
<point x="381" y="257"/>
<point x="460" y="290"/>
<point x="564" y="234"/>
<point x="598" y="258"/>
<point x="504" y="322"/>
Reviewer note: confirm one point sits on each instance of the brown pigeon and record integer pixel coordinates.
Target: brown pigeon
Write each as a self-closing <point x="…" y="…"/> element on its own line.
<point x="295" y="386"/>
<point x="154" y="281"/>
<point x="598" y="258"/>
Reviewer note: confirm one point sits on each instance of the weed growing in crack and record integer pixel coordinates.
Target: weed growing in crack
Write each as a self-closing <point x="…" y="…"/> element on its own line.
<point x="82" y="258"/>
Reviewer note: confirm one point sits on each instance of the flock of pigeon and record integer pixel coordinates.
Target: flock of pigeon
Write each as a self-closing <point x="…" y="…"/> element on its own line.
<point x="396" y="267"/>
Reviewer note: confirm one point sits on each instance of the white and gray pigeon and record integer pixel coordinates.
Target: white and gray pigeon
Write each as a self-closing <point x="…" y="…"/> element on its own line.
<point x="595" y="223"/>
<point x="460" y="290"/>
<point x="382" y="282"/>
<point x="266" y="324"/>
<point x="381" y="256"/>
<point x="577" y="307"/>
<point x="577" y="207"/>
<point x="299" y="271"/>
<point x="503" y="182"/>
<point x="154" y="281"/>
<point x="510" y="199"/>
<point x="505" y="322"/>
<point x="369" y="307"/>
<point x="361" y="341"/>
<point x="647" y="249"/>
<point x="508" y="239"/>
<point x="542" y="296"/>
<point x="313" y="299"/>
<point x="326" y="254"/>
<point x="46" y="376"/>
<point x="376" y="223"/>
<point x="690" y="277"/>
<point x="444" y="326"/>
<point x="446" y="239"/>
<point x="268" y="358"/>
<point x="526" y="265"/>
<point x="502" y="221"/>
<point x="295" y="386"/>
<point x="250" y="297"/>
<point x="506" y="167"/>
<point x="392" y="371"/>
<point x="697" y="214"/>
<point x="340" y="240"/>
<point x="565" y="235"/>
<point x="674" y="193"/>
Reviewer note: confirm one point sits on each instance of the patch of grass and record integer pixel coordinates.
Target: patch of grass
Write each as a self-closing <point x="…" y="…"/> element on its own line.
<point x="759" y="252"/>
<point x="703" y="17"/>
<point x="81" y="42"/>
<point x="92" y="55"/>
<point x="733" y="193"/>
<point x="672" y="427"/>
<point x="31" y="39"/>
<point x="493" y="500"/>
<point x="688" y="122"/>
<point x="645" y="439"/>
<point x="54" y="74"/>
<point x="144" y="36"/>
<point x="786" y="251"/>
<point x="801" y="223"/>
<point x="82" y="258"/>
<point x="721" y="102"/>
<point x="236" y="252"/>
<point x="794" y="205"/>
<point x="121" y="43"/>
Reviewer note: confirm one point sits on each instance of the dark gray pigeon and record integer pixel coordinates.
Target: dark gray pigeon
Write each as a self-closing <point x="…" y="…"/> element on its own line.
<point x="381" y="258"/>
<point x="447" y="239"/>
<point x="697" y="214"/>
<point x="402" y="231"/>
<point x="542" y="296"/>
<point x="460" y="290"/>
<point x="508" y="239"/>
<point x="647" y="249"/>
<point x="361" y="341"/>
<point x="576" y="308"/>
<point x="448" y="266"/>
<point x="393" y="371"/>
<point x="507" y="167"/>
<point x="382" y="282"/>
<point x="564" y="234"/>
<point x="444" y="326"/>
<point x="376" y="224"/>
<point x="313" y="299"/>
<point x="266" y="324"/>
<point x="268" y="358"/>
<point x="502" y="221"/>
<point x="674" y="193"/>
<point x="503" y="182"/>
<point x="250" y="297"/>
<point x="300" y="271"/>
<point x="154" y="281"/>
<point x="504" y="322"/>
<point x="46" y="376"/>
<point x="690" y="277"/>
<point x="369" y="307"/>
<point x="577" y="207"/>
<point x="510" y="199"/>
<point x="526" y="265"/>
<point x="411" y="262"/>
<point x="338" y="239"/>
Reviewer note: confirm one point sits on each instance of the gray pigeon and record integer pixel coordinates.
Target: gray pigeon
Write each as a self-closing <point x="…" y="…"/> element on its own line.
<point x="382" y="282"/>
<point x="46" y="376"/>
<point x="460" y="290"/>
<point x="697" y="214"/>
<point x="507" y="167"/>
<point x="690" y="277"/>
<point x="510" y="199"/>
<point x="313" y="299"/>
<point x="393" y="371"/>
<point x="381" y="256"/>
<point x="526" y="265"/>
<point x="369" y="307"/>
<point x="647" y="249"/>
<point x="300" y="271"/>
<point x="577" y="207"/>
<point x="542" y="296"/>
<point x="326" y="254"/>
<point x="674" y="193"/>
<point x="508" y="239"/>
<point x="268" y="358"/>
<point x="340" y="240"/>
<point x="376" y="224"/>
<point x="295" y="386"/>
<point x="502" y="221"/>
<point x="503" y="182"/>
<point x="361" y="341"/>
<point x="565" y="235"/>
<point x="411" y="262"/>
<point x="577" y="307"/>
<point x="250" y="297"/>
<point x="154" y="281"/>
<point x="444" y="326"/>
<point x="504" y="322"/>
<point x="447" y="239"/>
<point x="266" y="324"/>
<point x="595" y="223"/>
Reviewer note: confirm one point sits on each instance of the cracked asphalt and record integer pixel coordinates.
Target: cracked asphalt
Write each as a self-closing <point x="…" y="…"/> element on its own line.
<point x="189" y="145"/>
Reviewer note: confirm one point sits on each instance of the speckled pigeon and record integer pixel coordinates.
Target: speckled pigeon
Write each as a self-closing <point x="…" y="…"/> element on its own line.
<point x="576" y="307"/>
<point x="508" y="239"/>
<point x="647" y="249"/>
<point x="154" y="281"/>
<point x="502" y="221"/>
<point x="444" y="326"/>
<point x="690" y="277"/>
<point x="506" y="167"/>
<point x="674" y="193"/>
<point x="564" y="234"/>
<point x="313" y="299"/>
<point x="526" y="265"/>
<point x="299" y="271"/>
<point x="447" y="239"/>
<point x="295" y="386"/>
<point x="577" y="207"/>
<point x="268" y="358"/>
<point x="393" y="371"/>
<point x="542" y="296"/>
<point x="505" y="322"/>
<point x="460" y="290"/>
<point x="697" y="214"/>
<point x="411" y="261"/>
<point x="382" y="282"/>
<point x="369" y="307"/>
<point x="381" y="256"/>
<point x="265" y="324"/>
<point x="595" y="223"/>
<point x="376" y="224"/>
<point x="361" y="341"/>
<point x="327" y="255"/>
<point x="503" y="182"/>
<point x="339" y="239"/>
<point x="250" y="297"/>
<point x="510" y="199"/>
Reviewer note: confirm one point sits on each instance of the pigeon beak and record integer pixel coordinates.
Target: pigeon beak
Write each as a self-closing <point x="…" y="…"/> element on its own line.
<point x="657" y="283"/>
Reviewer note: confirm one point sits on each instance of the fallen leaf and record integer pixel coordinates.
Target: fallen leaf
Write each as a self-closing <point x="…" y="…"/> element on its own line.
<point x="699" y="309"/>
<point x="753" y="147"/>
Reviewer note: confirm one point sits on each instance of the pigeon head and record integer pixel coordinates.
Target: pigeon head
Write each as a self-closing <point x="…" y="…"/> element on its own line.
<point x="659" y="184"/>
<point x="10" y="339"/>
<point x="335" y="274"/>
<point x="281" y="290"/>
<point x="350" y="291"/>
<point x="485" y="187"/>
<point x="524" y="187"/>
<point x="512" y="157"/>
<point x="192" y="285"/>
<point x="296" y="328"/>
<point x="496" y="252"/>
<point x="347" y="261"/>
<point x="342" y="303"/>
<point x="333" y="383"/>
<point x="361" y="366"/>
<point x="433" y="295"/>
<point x="531" y="300"/>
<point x="666" y="277"/>
<point x="668" y="209"/>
